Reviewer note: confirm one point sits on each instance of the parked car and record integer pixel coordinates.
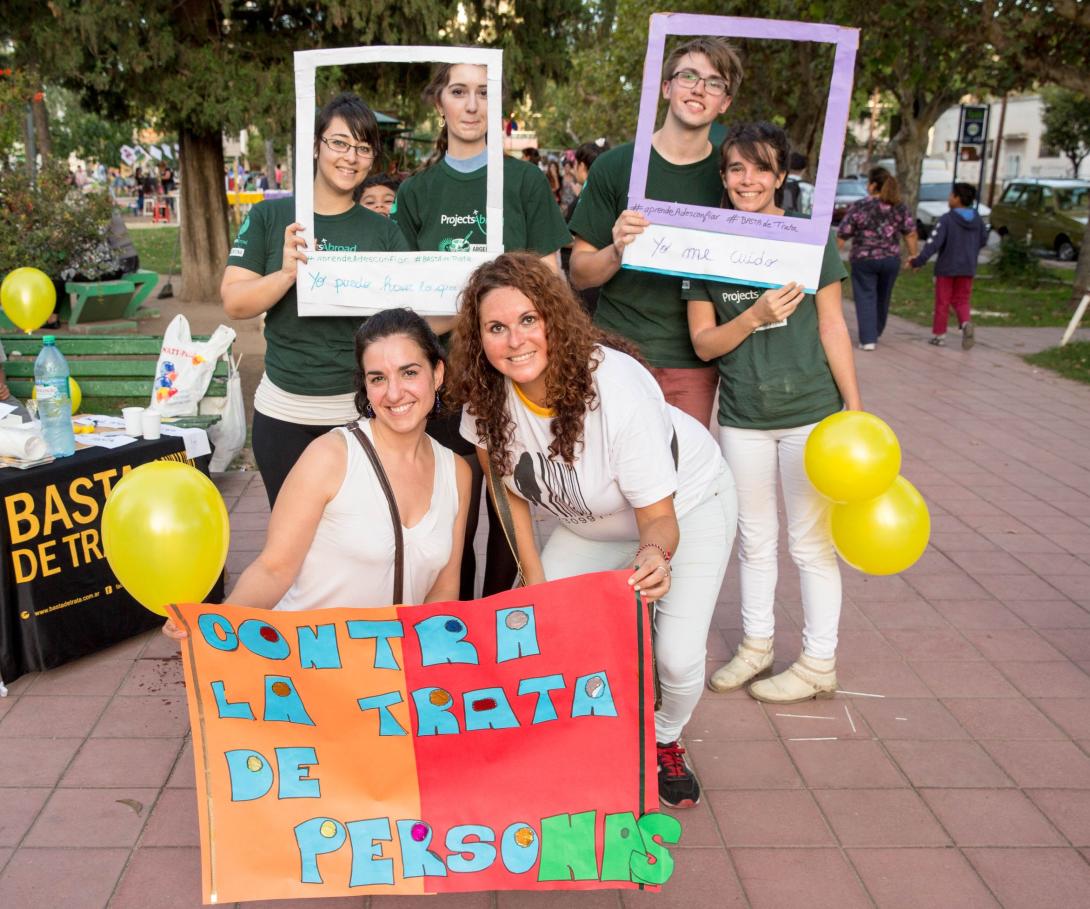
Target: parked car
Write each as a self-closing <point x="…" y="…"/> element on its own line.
<point x="848" y="190"/>
<point x="1048" y="214"/>
<point x="933" y="203"/>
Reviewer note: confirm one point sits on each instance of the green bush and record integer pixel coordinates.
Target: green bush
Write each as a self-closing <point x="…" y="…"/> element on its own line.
<point x="52" y="226"/>
<point x="1016" y="261"/>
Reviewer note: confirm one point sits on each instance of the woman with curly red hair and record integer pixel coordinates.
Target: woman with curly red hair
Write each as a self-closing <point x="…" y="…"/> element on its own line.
<point x="575" y="424"/>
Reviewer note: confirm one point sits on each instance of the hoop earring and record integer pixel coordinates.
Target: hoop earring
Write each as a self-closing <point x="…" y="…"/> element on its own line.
<point x="369" y="411"/>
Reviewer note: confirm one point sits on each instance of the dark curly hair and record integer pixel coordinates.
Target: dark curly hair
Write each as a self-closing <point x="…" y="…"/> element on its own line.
<point x="387" y="323"/>
<point x="571" y="338"/>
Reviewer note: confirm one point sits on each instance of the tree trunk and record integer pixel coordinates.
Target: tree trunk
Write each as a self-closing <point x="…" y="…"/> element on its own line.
<point x="205" y="237"/>
<point x="270" y="163"/>
<point x="909" y="148"/>
<point x="1082" y="270"/>
<point x="41" y="127"/>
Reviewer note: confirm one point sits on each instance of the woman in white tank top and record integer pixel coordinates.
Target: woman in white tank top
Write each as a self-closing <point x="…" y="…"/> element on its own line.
<point x="331" y="539"/>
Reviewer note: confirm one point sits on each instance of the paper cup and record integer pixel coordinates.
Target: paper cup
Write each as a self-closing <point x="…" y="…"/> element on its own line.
<point x="150" y="422"/>
<point x="133" y="420"/>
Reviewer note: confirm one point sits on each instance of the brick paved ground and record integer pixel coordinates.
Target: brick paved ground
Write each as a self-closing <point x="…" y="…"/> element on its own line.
<point x="966" y="784"/>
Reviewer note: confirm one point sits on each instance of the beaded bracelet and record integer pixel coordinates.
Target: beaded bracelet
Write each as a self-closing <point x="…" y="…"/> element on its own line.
<point x="666" y="554"/>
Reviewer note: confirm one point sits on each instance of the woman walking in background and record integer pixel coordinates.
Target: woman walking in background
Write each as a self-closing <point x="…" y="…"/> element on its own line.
<point x="875" y="226"/>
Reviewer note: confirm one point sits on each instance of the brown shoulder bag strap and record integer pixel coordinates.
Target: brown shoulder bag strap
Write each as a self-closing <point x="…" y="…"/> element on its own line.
<point x="395" y="515"/>
<point x="498" y="492"/>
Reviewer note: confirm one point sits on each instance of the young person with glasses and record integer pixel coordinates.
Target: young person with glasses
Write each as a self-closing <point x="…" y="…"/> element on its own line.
<point x="306" y="389"/>
<point x="442" y="207"/>
<point x="702" y="78"/>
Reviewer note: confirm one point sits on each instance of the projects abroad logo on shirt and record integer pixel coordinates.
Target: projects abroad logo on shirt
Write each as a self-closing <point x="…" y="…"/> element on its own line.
<point x="475" y="230"/>
<point x="323" y="245"/>
<point x="239" y="248"/>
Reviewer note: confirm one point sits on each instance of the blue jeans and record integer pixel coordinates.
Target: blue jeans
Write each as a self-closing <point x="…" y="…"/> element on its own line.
<point x="872" y="287"/>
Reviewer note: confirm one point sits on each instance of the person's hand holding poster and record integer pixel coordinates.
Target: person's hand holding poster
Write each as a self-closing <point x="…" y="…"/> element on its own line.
<point x="504" y="743"/>
<point x="733" y="243"/>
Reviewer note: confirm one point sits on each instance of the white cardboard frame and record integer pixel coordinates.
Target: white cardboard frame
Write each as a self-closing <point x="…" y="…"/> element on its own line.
<point x="337" y="283"/>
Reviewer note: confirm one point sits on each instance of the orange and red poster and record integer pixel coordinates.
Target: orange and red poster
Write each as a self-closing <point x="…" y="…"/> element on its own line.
<point x="499" y="744"/>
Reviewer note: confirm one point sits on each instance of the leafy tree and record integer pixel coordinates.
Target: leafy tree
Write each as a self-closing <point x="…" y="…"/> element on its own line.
<point x="86" y="135"/>
<point x="1067" y="124"/>
<point x="1047" y="40"/>
<point x="204" y="67"/>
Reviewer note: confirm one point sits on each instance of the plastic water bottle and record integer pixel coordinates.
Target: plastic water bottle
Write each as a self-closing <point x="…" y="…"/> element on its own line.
<point x="54" y="402"/>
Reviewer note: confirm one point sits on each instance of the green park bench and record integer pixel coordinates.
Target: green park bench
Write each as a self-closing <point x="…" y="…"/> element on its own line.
<point x="116" y="302"/>
<point x="113" y="371"/>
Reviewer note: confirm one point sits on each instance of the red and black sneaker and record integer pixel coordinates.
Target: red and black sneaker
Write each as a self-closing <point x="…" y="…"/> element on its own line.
<point x="678" y="787"/>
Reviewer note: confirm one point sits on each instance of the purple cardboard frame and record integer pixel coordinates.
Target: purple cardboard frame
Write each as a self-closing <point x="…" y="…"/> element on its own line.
<point x="726" y="221"/>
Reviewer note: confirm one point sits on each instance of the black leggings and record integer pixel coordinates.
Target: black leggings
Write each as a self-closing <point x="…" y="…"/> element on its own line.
<point x="277" y="445"/>
<point x="500" y="567"/>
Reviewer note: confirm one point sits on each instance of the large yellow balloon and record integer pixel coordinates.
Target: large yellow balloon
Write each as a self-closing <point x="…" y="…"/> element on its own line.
<point x="165" y="534"/>
<point x="852" y="456"/>
<point x="28" y="297"/>
<point x="885" y="535"/>
<point x="75" y="393"/>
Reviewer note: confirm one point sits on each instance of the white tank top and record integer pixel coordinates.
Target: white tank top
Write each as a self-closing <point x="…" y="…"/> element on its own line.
<point x="351" y="561"/>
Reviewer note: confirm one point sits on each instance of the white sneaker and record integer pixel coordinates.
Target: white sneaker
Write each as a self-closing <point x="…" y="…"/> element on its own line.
<point x="867" y="346"/>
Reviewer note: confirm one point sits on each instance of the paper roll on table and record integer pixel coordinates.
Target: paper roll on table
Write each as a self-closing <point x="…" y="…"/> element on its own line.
<point x="24" y="443"/>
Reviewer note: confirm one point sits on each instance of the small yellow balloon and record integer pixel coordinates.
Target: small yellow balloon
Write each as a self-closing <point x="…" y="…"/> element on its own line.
<point x="886" y="534"/>
<point x="165" y="534"/>
<point x="852" y="456"/>
<point x="28" y="297"/>
<point x="75" y="393"/>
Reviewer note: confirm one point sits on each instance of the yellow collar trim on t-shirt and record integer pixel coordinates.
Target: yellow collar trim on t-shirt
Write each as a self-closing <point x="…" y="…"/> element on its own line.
<point x="530" y="405"/>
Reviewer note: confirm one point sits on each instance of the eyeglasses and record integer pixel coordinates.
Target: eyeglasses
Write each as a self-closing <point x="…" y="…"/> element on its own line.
<point x="713" y="85"/>
<point x="342" y="148"/>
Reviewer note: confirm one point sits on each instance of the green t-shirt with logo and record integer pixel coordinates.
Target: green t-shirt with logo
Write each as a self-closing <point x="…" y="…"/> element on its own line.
<point x="639" y="305"/>
<point x="777" y="378"/>
<point x="313" y="355"/>
<point x="444" y="209"/>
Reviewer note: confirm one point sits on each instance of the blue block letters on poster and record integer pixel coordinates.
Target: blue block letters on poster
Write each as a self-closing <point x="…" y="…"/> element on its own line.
<point x="592" y="696"/>
<point x="469" y="855"/>
<point x="387" y="722"/>
<point x="294" y="766"/>
<point x="318" y="647"/>
<point x="487" y="708"/>
<point x="318" y="836"/>
<point x="217" y="632"/>
<point x="544" y="711"/>
<point x="381" y="632"/>
<point x="229" y="710"/>
<point x="434" y="719"/>
<point x="417" y="859"/>
<point x="516" y="858"/>
<point x="261" y="638"/>
<point x="516" y="633"/>
<point x="282" y="702"/>
<point x="367" y="866"/>
<point x="251" y="775"/>
<point x="442" y="640"/>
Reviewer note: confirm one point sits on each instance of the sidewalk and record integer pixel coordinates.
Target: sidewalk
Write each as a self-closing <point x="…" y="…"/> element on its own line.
<point x="957" y="776"/>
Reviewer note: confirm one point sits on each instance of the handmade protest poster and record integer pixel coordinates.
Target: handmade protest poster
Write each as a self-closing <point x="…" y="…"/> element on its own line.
<point x="505" y="743"/>
<point x="337" y="282"/>
<point x="722" y="243"/>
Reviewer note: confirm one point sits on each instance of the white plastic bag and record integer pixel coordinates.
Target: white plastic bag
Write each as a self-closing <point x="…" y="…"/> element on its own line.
<point x="229" y="434"/>
<point x="185" y="368"/>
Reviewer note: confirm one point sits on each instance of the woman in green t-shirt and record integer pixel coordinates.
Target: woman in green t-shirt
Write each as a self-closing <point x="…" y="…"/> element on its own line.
<point x="442" y="207"/>
<point x="309" y="363"/>
<point x="785" y="363"/>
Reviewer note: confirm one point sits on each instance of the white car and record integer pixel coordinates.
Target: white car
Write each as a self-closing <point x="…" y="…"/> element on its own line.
<point x="933" y="203"/>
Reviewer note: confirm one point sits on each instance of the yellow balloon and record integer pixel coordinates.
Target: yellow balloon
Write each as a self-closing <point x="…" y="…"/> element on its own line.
<point x="852" y="456"/>
<point x="75" y="393"/>
<point x="165" y="534"/>
<point x="885" y="535"/>
<point x="28" y="297"/>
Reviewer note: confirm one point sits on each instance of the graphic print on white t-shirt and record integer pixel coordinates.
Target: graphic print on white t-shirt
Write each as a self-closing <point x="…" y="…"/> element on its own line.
<point x="562" y="494"/>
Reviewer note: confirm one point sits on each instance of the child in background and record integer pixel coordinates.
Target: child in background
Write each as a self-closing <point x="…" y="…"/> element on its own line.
<point x="958" y="238"/>
<point x="378" y="192"/>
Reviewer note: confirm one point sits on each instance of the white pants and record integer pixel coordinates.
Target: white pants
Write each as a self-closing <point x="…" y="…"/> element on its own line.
<point x="683" y="616"/>
<point x="753" y="455"/>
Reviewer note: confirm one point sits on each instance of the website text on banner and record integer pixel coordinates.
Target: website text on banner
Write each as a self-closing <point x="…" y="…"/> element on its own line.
<point x="748" y="248"/>
<point x="427" y="749"/>
<point x="339" y="282"/>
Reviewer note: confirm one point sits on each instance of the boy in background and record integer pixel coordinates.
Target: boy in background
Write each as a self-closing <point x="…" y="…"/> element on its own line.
<point x="378" y="192"/>
<point x="958" y="237"/>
